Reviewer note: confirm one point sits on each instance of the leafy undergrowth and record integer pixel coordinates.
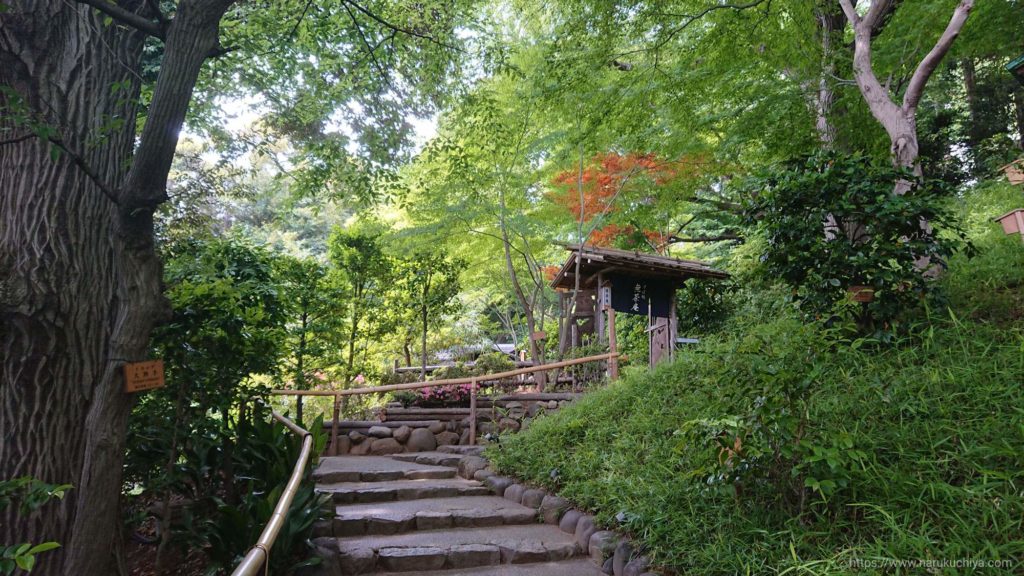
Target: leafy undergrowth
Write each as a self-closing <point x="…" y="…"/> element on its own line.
<point x="775" y="450"/>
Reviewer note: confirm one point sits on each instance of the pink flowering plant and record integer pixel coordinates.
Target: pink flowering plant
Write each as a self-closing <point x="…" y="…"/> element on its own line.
<point x="446" y="394"/>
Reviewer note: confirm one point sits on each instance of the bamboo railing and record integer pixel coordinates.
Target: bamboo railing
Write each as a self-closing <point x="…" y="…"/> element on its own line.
<point x="259" y="555"/>
<point x="473" y="381"/>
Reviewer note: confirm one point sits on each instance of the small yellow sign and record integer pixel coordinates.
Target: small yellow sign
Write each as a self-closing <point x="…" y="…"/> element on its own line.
<point x="142" y="376"/>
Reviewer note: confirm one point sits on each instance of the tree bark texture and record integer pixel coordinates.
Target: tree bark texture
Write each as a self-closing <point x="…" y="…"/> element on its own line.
<point x="80" y="282"/>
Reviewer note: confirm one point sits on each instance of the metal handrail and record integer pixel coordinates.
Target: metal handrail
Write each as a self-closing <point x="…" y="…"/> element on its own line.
<point x="259" y="554"/>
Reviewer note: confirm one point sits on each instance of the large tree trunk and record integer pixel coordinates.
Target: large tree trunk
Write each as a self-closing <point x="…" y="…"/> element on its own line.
<point x="80" y="283"/>
<point x="76" y="299"/>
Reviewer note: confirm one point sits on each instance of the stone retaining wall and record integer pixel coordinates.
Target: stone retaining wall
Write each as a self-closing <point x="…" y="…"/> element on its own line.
<point x="415" y="429"/>
<point x="615" y="553"/>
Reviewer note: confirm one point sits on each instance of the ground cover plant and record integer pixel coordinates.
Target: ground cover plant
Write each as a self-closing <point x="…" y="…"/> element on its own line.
<point x="776" y="447"/>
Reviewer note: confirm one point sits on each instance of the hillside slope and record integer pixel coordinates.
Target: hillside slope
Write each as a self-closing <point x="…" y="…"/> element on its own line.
<point x="770" y="449"/>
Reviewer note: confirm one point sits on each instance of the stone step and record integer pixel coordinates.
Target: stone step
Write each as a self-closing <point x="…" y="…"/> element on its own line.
<point x="455" y="548"/>
<point x="460" y="449"/>
<point x="430" y="458"/>
<point x="430" y="514"/>
<point x="375" y="469"/>
<point x="567" y="568"/>
<point x="364" y="492"/>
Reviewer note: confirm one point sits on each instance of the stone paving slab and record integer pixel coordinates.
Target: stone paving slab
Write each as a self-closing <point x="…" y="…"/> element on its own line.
<point x="375" y="469"/>
<point x="460" y="449"/>
<point x="456" y="548"/>
<point x="365" y="492"/>
<point x="429" y="514"/>
<point x="570" y="568"/>
<point x="429" y="458"/>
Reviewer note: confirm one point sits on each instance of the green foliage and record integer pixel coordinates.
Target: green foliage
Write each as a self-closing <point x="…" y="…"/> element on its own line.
<point x="315" y="303"/>
<point x="406" y="398"/>
<point x="366" y="273"/>
<point x="877" y="238"/>
<point x="702" y="307"/>
<point x="457" y="370"/>
<point x="204" y="439"/>
<point x="591" y="373"/>
<point x="493" y="363"/>
<point x="424" y="292"/>
<point x="30" y="495"/>
<point x="269" y="451"/>
<point x="989" y="287"/>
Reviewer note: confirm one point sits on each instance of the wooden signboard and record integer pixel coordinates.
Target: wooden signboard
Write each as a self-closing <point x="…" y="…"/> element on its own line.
<point x="142" y="376"/>
<point x="539" y="335"/>
<point x="635" y="295"/>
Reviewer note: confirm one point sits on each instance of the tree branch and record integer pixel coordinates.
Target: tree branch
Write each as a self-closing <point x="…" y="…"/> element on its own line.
<point x="154" y="5"/>
<point x="723" y="205"/>
<point x="86" y="169"/>
<point x="931" y="61"/>
<point x="719" y="238"/>
<point x="127" y="18"/>
<point x="690" y="19"/>
<point x="21" y="138"/>
<point x="302" y="16"/>
<point x="380" y="20"/>
<point x="875" y="12"/>
<point x="75" y="157"/>
<point x="850" y="11"/>
<point x="370" y="50"/>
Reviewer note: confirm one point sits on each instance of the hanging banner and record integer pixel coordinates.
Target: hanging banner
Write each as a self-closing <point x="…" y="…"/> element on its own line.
<point x="637" y="295"/>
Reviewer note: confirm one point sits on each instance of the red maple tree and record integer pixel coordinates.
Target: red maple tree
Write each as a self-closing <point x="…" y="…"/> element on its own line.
<point x="609" y="178"/>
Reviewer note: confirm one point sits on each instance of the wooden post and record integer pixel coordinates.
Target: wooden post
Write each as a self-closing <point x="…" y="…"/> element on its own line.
<point x="673" y="327"/>
<point x="334" y="425"/>
<point x="472" y="413"/>
<point x="613" y="362"/>
<point x="298" y="410"/>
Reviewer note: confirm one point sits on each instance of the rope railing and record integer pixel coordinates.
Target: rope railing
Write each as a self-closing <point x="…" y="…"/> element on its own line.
<point x="258" y="557"/>
<point x="473" y="381"/>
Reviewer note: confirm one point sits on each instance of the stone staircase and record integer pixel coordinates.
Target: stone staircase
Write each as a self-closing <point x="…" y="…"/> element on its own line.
<point x="413" y="514"/>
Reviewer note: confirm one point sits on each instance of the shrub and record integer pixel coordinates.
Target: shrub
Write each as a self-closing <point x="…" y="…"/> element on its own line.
<point x="492" y="363"/>
<point x="29" y="494"/>
<point x="877" y="240"/>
